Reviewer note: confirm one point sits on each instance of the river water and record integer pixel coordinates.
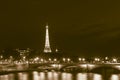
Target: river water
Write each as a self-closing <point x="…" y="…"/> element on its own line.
<point x="57" y="76"/>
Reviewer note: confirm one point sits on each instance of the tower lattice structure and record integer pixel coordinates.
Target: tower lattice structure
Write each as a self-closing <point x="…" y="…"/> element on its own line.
<point x="47" y="48"/>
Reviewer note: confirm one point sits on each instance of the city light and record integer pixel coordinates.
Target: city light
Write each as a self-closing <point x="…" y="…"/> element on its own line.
<point x="68" y="59"/>
<point x="64" y="59"/>
<point x="49" y="59"/>
<point x="1" y="57"/>
<point x="97" y="59"/>
<point x="114" y="60"/>
<point x="55" y="59"/>
<point x="36" y="59"/>
<point x="41" y="60"/>
<point x="106" y="58"/>
<point x="80" y="59"/>
<point x="83" y="59"/>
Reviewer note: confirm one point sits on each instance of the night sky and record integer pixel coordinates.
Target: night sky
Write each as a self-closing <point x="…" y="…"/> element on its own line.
<point x="83" y="27"/>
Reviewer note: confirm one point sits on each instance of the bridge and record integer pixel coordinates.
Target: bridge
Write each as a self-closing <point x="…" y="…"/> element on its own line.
<point x="67" y="67"/>
<point x="81" y="67"/>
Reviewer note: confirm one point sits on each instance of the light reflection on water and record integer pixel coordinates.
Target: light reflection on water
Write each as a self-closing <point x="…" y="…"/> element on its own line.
<point x="56" y="76"/>
<point x="22" y="76"/>
<point x="97" y="77"/>
<point x="7" y="77"/>
<point x="82" y="76"/>
<point x="115" y="77"/>
<point x="66" y="76"/>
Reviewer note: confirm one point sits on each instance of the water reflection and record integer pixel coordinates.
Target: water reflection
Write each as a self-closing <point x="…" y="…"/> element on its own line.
<point x="66" y="76"/>
<point x="22" y="76"/>
<point x="115" y="77"/>
<point x="49" y="76"/>
<point x="52" y="76"/>
<point x="35" y="75"/>
<point x="97" y="77"/>
<point x="42" y="76"/>
<point x="57" y="76"/>
<point x="82" y="76"/>
<point x="7" y="77"/>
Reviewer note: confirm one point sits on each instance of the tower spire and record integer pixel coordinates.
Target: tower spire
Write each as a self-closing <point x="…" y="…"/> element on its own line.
<point x="47" y="48"/>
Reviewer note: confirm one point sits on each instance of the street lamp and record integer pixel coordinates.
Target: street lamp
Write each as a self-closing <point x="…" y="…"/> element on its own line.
<point x="49" y="59"/>
<point x="114" y="60"/>
<point x="98" y="59"/>
<point x="79" y="59"/>
<point x="41" y="60"/>
<point x="68" y="59"/>
<point x="55" y="59"/>
<point x="36" y="59"/>
<point x="106" y="58"/>
<point x="1" y="57"/>
<point x="63" y="59"/>
<point x="83" y="59"/>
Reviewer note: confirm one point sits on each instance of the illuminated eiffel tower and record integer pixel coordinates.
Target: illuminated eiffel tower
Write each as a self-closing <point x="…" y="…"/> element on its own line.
<point x="47" y="48"/>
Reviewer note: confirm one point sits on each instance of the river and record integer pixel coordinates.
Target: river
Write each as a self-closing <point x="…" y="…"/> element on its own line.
<point x="52" y="75"/>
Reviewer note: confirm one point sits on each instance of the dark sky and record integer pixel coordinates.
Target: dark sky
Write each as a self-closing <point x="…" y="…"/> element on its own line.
<point x="83" y="27"/>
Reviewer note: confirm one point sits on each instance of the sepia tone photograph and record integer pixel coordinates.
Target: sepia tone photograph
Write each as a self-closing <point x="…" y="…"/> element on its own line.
<point x="59" y="40"/>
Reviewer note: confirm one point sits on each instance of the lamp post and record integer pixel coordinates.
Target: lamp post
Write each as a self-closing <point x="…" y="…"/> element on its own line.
<point x="41" y="60"/>
<point x="55" y="59"/>
<point x="68" y="60"/>
<point x="97" y="60"/>
<point x="49" y="59"/>
<point x="79" y="59"/>
<point x="83" y="60"/>
<point x="64" y="59"/>
<point x="1" y="59"/>
<point x="114" y="60"/>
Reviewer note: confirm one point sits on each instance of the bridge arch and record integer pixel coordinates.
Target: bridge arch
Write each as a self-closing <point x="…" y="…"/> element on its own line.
<point x="35" y="66"/>
<point x="73" y="67"/>
<point x="105" y="70"/>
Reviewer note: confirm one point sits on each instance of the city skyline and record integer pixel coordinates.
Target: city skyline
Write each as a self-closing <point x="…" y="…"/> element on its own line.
<point x="76" y="27"/>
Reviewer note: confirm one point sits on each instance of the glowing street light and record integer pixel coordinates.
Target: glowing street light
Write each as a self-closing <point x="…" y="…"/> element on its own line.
<point x="49" y="59"/>
<point x="64" y="59"/>
<point x="41" y="60"/>
<point x="1" y="57"/>
<point x="79" y="59"/>
<point x="36" y="59"/>
<point x="68" y="59"/>
<point x="55" y="59"/>
<point x="98" y="59"/>
<point x="114" y="60"/>
<point x="106" y="58"/>
<point x="83" y="59"/>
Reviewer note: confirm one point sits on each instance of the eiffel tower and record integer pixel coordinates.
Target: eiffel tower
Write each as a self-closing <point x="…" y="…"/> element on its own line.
<point x="47" y="48"/>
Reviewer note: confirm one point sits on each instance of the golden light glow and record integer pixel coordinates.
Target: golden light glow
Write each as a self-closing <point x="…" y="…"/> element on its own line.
<point x="66" y="76"/>
<point x="115" y="77"/>
<point x="63" y="59"/>
<point x="82" y="76"/>
<point x="97" y="77"/>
